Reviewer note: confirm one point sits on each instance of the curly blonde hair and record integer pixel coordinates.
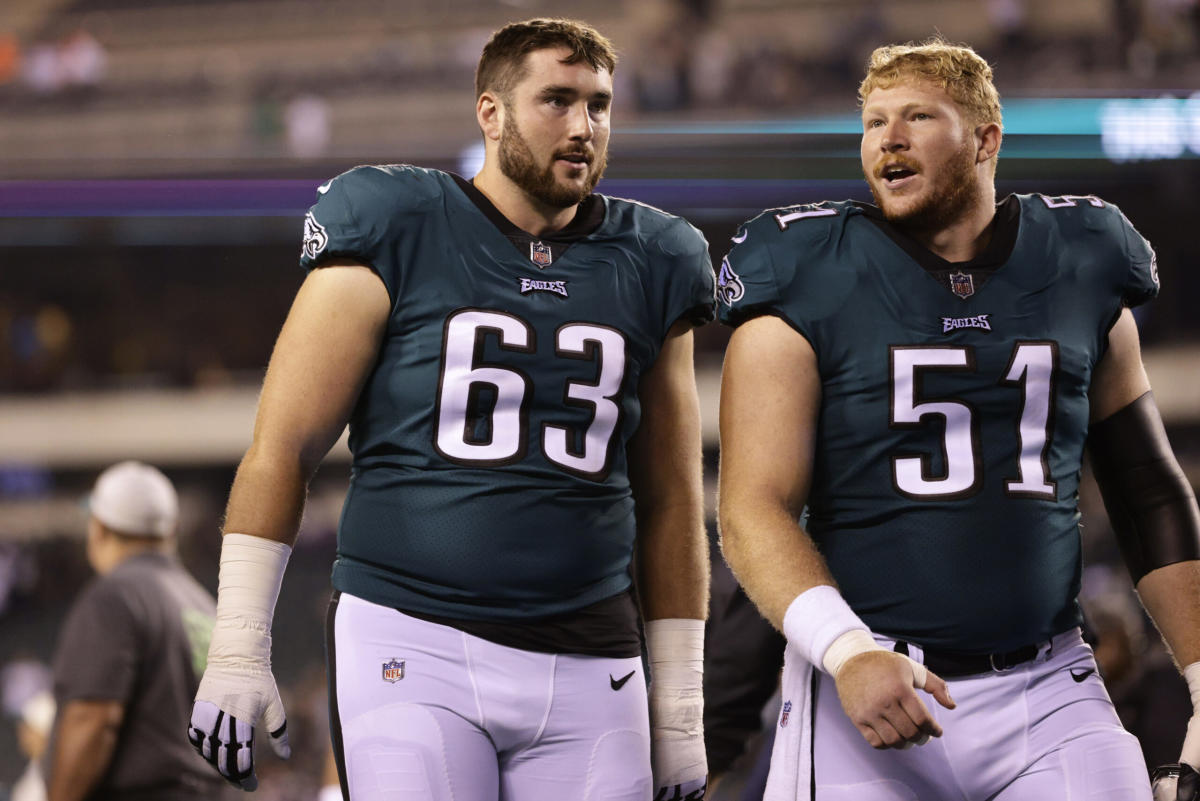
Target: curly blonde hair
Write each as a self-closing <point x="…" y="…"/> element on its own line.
<point x="958" y="69"/>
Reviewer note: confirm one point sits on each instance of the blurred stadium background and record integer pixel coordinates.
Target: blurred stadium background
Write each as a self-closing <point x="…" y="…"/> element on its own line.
<point x="156" y="158"/>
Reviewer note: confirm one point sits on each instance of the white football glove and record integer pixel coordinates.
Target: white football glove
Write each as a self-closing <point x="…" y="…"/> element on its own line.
<point x="675" y="648"/>
<point x="238" y="689"/>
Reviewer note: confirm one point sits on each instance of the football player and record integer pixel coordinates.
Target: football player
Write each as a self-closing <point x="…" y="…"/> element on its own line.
<point x="514" y="356"/>
<point x="922" y="374"/>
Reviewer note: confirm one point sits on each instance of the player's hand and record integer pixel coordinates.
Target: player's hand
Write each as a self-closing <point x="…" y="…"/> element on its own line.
<point x="1176" y="782"/>
<point x="878" y="693"/>
<point x="677" y="753"/>
<point x="232" y="700"/>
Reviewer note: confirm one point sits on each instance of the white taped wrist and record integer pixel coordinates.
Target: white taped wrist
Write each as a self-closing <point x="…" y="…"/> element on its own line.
<point x="247" y="589"/>
<point x="1191" y="741"/>
<point x="815" y="619"/>
<point x="675" y="649"/>
<point x="846" y="647"/>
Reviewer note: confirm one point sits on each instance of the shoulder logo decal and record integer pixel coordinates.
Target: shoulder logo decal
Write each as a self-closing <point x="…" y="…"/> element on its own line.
<point x="962" y="284"/>
<point x="730" y="288"/>
<point x="393" y="671"/>
<point x="954" y="323"/>
<point x="534" y="285"/>
<point x="540" y="254"/>
<point x="315" y="238"/>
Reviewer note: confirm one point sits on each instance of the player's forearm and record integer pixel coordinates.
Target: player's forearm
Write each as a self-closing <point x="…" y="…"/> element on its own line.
<point x="86" y="737"/>
<point x="1171" y="595"/>
<point x="772" y="557"/>
<point x="673" y="564"/>
<point x="267" y="498"/>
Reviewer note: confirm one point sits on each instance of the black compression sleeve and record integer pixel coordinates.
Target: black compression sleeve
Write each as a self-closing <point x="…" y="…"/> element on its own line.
<point x="1149" y="501"/>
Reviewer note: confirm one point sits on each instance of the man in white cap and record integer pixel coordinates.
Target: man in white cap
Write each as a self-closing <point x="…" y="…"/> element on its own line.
<point x="131" y="652"/>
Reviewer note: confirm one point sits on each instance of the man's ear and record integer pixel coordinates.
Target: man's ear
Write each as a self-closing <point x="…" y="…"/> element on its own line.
<point x="489" y="113"/>
<point x="988" y="135"/>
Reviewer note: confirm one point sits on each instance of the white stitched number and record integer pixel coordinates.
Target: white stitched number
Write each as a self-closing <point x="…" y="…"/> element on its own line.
<point x="911" y="473"/>
<point x="783" y="220"/>
<point x="463" y="381"/>
<point x="1032" y="368"/>
<point x="468" y="434"/>
<point x="580" y="341"/>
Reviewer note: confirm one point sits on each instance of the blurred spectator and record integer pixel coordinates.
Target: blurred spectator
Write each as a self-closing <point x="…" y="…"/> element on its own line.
<point x="306" y="119"/>
<point x="42" y="69"/>
<point x="27" y="699"/>
<point x="130" y="653"/>
<point x="82" y="60"/>
<point x="10" y="58"/>
<point x="33" y="734"/>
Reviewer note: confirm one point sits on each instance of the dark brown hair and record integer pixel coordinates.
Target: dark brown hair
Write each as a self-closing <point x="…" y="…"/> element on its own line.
<point x="502" y="64"/>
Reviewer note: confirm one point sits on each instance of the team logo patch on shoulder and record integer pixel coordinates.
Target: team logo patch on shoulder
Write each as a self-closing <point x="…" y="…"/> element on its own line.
<point x="978" y="321"/>
<point x="962" y="284"/>
<point x="730" y="288"/>
<point x="393" y="671"/>
<point x="540" y="254"/>
<point x="534" y="285"/>
<point x="315" y="238"/>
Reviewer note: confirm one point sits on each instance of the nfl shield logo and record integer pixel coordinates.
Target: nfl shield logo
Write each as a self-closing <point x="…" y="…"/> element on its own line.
<point x="783" y="717"/>
<point x="962" y="284"/>
<point x="393" y="671"/>
<point x="539" y="254"/>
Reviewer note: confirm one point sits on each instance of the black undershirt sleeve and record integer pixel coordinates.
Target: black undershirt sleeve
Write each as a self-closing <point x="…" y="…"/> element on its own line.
<point x="1150" y="503"/>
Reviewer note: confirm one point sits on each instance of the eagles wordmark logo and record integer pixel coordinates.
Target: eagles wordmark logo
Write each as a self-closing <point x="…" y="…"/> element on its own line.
<point x="315" y="238"/>
<point x="730" y="288"/>
<point x="534" y="285"/>
<point x="978" y="321"/>
<point x="393" y="671"/>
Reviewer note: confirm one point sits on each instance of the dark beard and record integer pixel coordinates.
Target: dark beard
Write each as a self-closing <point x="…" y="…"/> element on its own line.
<point x="954" y="196"/>
<point x="517" y="163"/>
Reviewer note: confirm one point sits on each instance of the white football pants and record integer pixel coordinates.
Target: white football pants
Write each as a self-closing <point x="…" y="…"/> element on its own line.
<point x="465" y="719"/>
<point x="1045" y="730"/>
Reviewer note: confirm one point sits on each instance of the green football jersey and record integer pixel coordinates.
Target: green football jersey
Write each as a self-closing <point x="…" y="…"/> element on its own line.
<point x="489" y="477"/>
<point x="953" y="416"/>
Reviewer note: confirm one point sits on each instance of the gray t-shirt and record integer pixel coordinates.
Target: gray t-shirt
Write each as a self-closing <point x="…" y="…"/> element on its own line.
<point x="139" y="635"/>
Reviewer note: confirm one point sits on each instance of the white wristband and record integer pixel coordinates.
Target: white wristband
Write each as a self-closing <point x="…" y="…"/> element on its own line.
<point x="1191" y="741"/>
<point x="815" y="619"/>
<point x="247" y="589"/>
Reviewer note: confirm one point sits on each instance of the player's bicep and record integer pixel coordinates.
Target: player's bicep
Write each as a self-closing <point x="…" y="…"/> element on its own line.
<point x="770" y="400"/>
<point x="1119" y="378"/>
<point x="325" y="351"/>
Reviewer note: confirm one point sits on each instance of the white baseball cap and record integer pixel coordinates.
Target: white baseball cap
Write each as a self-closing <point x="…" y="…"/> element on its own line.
<point x="135" y="498"/>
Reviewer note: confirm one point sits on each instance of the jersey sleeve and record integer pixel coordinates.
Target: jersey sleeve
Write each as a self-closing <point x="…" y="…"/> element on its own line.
<point x="365" y="214"/>
<point x="1141" y="284"/>
<point x="689" y="293"/>
<point x="758" y="274"/>
<point x="96" y="657"/>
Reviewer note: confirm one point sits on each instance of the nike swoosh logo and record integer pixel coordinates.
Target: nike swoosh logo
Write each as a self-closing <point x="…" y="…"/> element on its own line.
<point x="1081" y="675"/>
<point x="323" y="188"/>
<point x="619" y="683"/>
<point x="740" y="238"/>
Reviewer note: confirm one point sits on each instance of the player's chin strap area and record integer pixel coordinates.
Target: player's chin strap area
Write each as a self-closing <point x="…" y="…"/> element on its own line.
<point x="675" y="648"/>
